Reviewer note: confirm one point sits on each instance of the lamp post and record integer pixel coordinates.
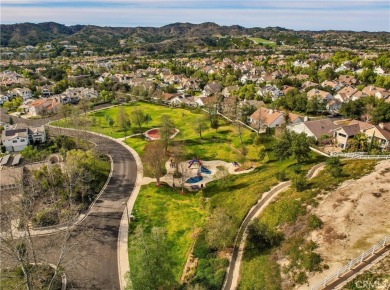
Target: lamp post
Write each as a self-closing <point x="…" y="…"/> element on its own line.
<point x="127" y="212"/>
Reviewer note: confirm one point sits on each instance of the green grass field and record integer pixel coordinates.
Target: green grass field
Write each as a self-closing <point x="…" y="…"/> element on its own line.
<point x="258" y="40"/>
<point x="220" y="144"/>
<point x="180" y="215"/>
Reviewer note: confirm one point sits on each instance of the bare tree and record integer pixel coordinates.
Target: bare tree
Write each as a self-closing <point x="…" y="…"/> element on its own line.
<point x="154" y="158"/>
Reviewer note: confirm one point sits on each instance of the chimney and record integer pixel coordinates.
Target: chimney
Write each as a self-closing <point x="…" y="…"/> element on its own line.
<point x="381" y="125"/>
<point x="305" y="119"/>
<point x="371" y="88"/>
<point x="270" y="111"/>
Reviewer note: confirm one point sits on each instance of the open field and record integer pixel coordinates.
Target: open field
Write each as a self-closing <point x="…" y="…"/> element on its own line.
<point x="258" y="40"/>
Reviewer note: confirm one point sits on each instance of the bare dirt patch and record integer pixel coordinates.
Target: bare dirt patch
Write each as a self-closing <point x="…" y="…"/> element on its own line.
<point x="355" y="216"/>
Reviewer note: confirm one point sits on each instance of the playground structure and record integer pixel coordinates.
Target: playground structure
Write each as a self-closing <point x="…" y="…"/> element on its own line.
<point x="201" y="169"/>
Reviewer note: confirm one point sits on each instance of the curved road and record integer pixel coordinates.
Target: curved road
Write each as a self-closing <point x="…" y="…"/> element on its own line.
<point x="231" y="279"/>
<point x="92" y="260"/>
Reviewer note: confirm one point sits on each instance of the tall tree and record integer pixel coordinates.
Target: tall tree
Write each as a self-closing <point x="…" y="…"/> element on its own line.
<point x="166" y="130"/>
<point x="152" y="267"/>
<point x="200" y="126"/>
<point x="220" y="229"/>
<point x="123" y="120"/>
<point x="138" y="117"/>
<point x="154" y="158"/>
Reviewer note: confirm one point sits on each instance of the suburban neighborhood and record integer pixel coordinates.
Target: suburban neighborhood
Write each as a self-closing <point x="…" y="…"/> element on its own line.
<point x="233" y="158"/>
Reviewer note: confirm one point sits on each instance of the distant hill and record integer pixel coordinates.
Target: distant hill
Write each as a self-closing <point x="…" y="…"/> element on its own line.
<point x="15" y="35"/>
<point x="22" y="34"/>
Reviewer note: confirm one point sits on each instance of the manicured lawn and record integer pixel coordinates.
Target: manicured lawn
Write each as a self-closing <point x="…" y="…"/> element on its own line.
<point x="285" y="211"/>
<point x="220" y="144"/>
<point x="258" y="40"/>
<point x="180" y="215"/>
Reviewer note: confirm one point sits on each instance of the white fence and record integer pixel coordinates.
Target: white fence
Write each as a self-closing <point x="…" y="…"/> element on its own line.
<point x="359" y="155"/>
<point x="340" y="272"/>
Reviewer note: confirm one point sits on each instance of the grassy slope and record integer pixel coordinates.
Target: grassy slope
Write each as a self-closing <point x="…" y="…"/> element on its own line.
<point x="285" y="211"/>
<point x="180" y="215"/>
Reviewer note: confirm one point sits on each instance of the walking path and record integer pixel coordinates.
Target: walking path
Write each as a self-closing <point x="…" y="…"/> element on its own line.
<point x="233" y="271"/>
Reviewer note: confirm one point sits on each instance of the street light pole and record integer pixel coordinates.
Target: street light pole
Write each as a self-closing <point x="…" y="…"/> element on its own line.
<point x="127" y="212"/>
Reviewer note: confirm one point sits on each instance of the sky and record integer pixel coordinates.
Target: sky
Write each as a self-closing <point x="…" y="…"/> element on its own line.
<point x="360" y="15"/>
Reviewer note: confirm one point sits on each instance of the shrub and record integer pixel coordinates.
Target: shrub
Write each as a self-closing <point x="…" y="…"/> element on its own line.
<point x="261" y="237"/>
<point x="314" y="222"/>
<point x="334" y="166"/>
<point x="281" y="176"/>
<point x="45" y="218"/>
<point x="299" y="182"/>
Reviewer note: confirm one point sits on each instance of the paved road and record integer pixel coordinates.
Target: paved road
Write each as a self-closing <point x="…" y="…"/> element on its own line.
<point x="92" y="261"/>
<point x="231" y="278"/>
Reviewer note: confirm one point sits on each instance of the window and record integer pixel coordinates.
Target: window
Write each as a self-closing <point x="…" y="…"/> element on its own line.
<point x="15" y="141"/>
<point x="22" y="140"/>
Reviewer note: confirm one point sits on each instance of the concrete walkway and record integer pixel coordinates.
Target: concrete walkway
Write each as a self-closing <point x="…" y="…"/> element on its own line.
<point x="233" y="271"/>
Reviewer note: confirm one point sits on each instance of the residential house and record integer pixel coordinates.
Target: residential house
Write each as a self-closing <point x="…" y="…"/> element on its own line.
<point x="264" y="117"/>
<point x="24" y="93"/>
<point x="183" y="99"/>
<point x="317" y="129"/>
<point x="192" y="84"/>
<point x="380" y="134"/>
<point x="347" y="80"/>
<point x="270" y="91"/>
<point x="212" y="89"/>
<point x="333" y="106"/>
<point x="309" y="84"/>
<point x="19" y="136"/>
<point x="379" y="71"/>
<point x="300" y="63"/>
<point x="322" y="95"/>
<point x="372" y="90"/>
<point x="332" y="84"/>
<point x="345" y="94"/>
<point x="210" y="102"/>
<point x="44" y="106"/>
<point x="4" y="98"/>
<point x="344" y="133"/>
<point x="286" y="89"/>
<point x="226" y="92"/>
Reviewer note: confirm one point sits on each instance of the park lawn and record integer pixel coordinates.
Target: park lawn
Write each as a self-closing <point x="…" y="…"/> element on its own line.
<point x="223" y="144"/>
<point x="180" y="215"/>
<point x="285" y="210"/>
<point x="258" y="40"/>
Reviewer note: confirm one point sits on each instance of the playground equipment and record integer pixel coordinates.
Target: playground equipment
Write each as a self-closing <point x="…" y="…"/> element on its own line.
<point x="196" y="161"/>
<point x="194" y="179"/>
<point x="204" y="170"/>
